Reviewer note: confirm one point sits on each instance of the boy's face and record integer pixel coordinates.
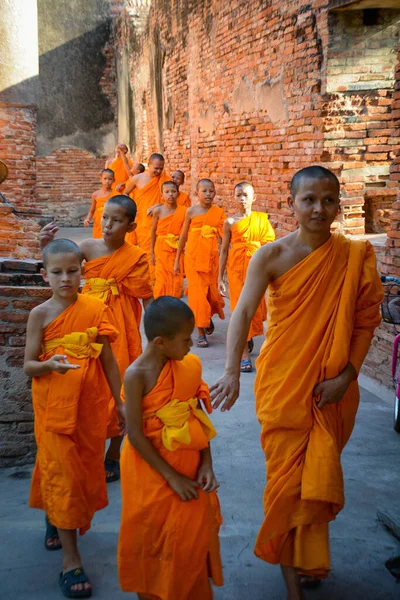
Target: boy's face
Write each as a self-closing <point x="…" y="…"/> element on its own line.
<point x="244" y="196"/>
<point x="206" y="193"/>
<point x="63" y="274"/>
<point x="135" y="169"/>
<point x="115" y="223"/>
<point x="169" y="194"/>
<point x="107" y="180"/>
<point x="177" y="347"/>
<point x="178" y="178"/>
<point x="316" y="204"/>
<point x="156" y="167"/>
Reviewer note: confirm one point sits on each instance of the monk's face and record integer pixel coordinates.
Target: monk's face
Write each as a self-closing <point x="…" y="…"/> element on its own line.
<point x="106" y="180"/>
<point x="178" y="178"/>
<point x="115" y="224"/>
<point x="244" y="196"/>
<point x="206" y="193"/>
<point x="63" y="274"/>
<point x="316" y="204"/>
<point x="156" y="167"/>
<point x="135" y="169"/>
<point x="169" y="194"/>
<point x="177" y="347"/>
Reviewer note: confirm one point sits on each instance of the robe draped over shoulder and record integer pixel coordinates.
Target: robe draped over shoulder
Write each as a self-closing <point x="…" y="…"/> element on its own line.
<point x="120" y="173"/>
<point x="168" y="548"/>
<point x="120" y="280"/>
<point x="98" y="213"/>
<point x="202" y="264"/>
<point x="183" y="200"/>
<point x="321" y="314"/>
<point x="168" y="231"/>
<point x="247" y="235"/>
<point x="71" y="411"/>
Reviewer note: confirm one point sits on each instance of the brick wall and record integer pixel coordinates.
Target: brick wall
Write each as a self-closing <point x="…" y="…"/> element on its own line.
<point x="20" y="291"/>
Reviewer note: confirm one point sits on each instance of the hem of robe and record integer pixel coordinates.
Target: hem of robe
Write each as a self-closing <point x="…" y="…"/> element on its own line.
<point x="63" y="524"/>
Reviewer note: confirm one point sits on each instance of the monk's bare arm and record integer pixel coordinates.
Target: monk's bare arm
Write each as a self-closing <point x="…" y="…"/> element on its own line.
<point x="226" y="390"/>
<point x="153" y="235"/>
<point x="33" y="367"/>
<point x="90" y="214"/>
<point x="111" y="371"/>
<point x="223" y="257"/>
<point x="134" y="385"/>
<point x="130" y="185"/>
<point x="125" y="161"/>
<point x="182" y="240"/>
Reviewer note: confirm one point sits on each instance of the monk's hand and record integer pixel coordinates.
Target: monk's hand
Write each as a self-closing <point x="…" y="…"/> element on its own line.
<point x="59" y="363"/>
<point x="225" y="391"/>
<point x="331" y="391"/>
<point x="185" y="488"/>
<point x="86" y="222"/>
<point x="153" y="259"/>
<point x="177" y="268"/>
<point x="120" y="410"/>
<point x="222" y="288"/>
<point x="47" y="233"/>
<point x="120" y="187"/>
<point x="206" y="478"/>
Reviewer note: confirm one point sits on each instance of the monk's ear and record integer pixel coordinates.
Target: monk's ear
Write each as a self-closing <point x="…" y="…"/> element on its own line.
<point x="290" y="202"/>
<point x="83" y="269"/>
<point x="44" y="275"/>
<point x="131" y="227"/>
<point x="158" y="341"/>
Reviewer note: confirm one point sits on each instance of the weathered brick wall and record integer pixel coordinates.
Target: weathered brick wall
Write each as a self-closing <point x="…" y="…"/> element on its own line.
<point x="20" y="291"/>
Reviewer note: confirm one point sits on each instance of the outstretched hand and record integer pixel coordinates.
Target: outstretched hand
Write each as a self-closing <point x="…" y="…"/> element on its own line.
<point x="47" y="233"/>
<point x="225" y="391"/>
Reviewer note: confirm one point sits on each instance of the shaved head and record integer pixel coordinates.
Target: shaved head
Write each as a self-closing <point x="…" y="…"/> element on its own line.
<point x="313" y="172"/>
<point x="156" y="156"/>
<point x="165" y="317"/>
<point x="126" y="203"/>
<point x="61" y="246"/>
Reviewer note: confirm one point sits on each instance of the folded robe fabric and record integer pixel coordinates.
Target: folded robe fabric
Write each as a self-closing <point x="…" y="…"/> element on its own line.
<point x="71" y="412"/>
<point x="121" y="175"/>
<point x="98" y="213"/>
<point x="167" y="239"/>
<point x="167" y="548"/>
<point x="321" y="314"/>
<point x="120" y="280"/>
<point x="247" y="235"/>
<point x="202" y="264"/>
<point x="183" y="200"/>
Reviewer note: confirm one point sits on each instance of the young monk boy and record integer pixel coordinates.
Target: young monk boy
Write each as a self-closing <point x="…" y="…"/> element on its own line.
<point x="167" y="225"/>
<point x="203" y="225"/>
<point x="244" y="232"/>
<point x="121" y="165"/>
<point x="135" y="170"/>
<point x="168" y="545"/>
<point x="99" y="199"/>
<point x="117" y="273"/>
<point x="183" y="198"/>
<point x="323" y="307"/>
<point x="69" y="356"/>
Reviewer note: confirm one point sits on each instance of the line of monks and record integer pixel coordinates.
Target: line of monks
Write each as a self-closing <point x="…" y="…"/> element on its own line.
<point x="324" y="297"/>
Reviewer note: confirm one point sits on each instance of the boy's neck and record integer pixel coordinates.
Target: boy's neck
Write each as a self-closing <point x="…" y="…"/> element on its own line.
<point x="63" y="303"/>
<point x="106" y="189"/>
<point x="313" y="240"/>
<point x="173" y="206"/>
<point x="153" y="355"/>
<point x="245" y="212"/>
<point x="114" y="245"/>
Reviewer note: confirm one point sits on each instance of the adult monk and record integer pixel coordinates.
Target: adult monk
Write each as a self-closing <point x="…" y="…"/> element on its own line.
<point x="121" y="165"/>
<point x="145" y="190"/>
<point x="323" y="306"/>
<point x="183" y="198"/>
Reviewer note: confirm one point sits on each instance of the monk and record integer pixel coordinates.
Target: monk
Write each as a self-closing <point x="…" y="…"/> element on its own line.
<point x="69" y="356"/>
<point x="166" y="228"/>
<point x="202" y="229"/>
<point x="99" y="199"/>
<point x="183" y="198"/>
<point x="168" y="544"/>
<point x="323" y="306"/>
<point x="145" y="189"/>
<point x="118" y="274"/>
<point x="121" y="165"/>
<point x="135" y="170"/>
<point x="244" y="232"/>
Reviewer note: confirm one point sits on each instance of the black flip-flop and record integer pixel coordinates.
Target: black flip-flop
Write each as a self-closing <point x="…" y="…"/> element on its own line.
<point x="112" y="466"/>
<point x="393" y="566"/>
<point x="210" y="330"/>
<point x="250" y="345"/>
<point x="309" y="582"/>
<point x="202" y="341"/>
<point x="73" y="577"/>
<point x="51" y="534"/>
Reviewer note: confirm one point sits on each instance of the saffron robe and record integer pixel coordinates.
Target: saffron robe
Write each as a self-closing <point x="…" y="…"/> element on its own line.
<point x="183" y="200"/>
<point x="71" y="412"/>
<point x="321" y="314"/>
<point x="121" y="175"/>
<point x="167" y="548"/>
<point x="168" y="231"/>
<point x="120" y="280"/>
<point x="98" y="213"/>
<point x="247" y="235"/>
<point x="202" y="264"/>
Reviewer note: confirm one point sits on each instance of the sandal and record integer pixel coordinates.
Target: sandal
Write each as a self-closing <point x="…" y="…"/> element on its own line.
<point x="202" y="341"/>
<point x="112" y="466"/>
<point x="246" y="366"/>
<point x="51" y="534"/>
<point x="250" y="345"/>
<point x="309" y="581"/>
<point x="393" y="566"/>
<point x="211" y="328"/>
<point x="73" y="577"/>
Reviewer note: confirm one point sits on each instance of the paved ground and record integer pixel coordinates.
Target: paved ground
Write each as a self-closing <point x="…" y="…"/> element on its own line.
<point x="359" y="544"/>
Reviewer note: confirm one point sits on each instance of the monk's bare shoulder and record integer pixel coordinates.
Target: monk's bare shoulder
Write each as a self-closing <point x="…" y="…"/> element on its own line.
<point x="143" y="374"/>
<point x="88" y="247"/>
<point x="275" y="258"/>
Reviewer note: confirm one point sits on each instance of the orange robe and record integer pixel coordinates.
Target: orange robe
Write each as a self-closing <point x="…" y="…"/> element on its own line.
<point x="201" y="266"/>
<point x="321" y="314"/>
<point x="98" y="213"/>
<point x="71" y="411"/>
<point x="168" y="232"/>
<point x="183" y="200"/>
<point x="247" y="235"/>
<point x="120" y="173"/>
<point x="120" y="280"/>
<point x="167" y="548"/>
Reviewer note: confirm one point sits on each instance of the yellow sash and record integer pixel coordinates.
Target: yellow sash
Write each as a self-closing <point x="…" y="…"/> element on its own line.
<point x="250" y="247"/>
<point x="77" y="344"/>
<point x="207" y="232"/>
<point x="171" y="239"/>
<point x="175" y="416"/>
<point x="101" y="287"/>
